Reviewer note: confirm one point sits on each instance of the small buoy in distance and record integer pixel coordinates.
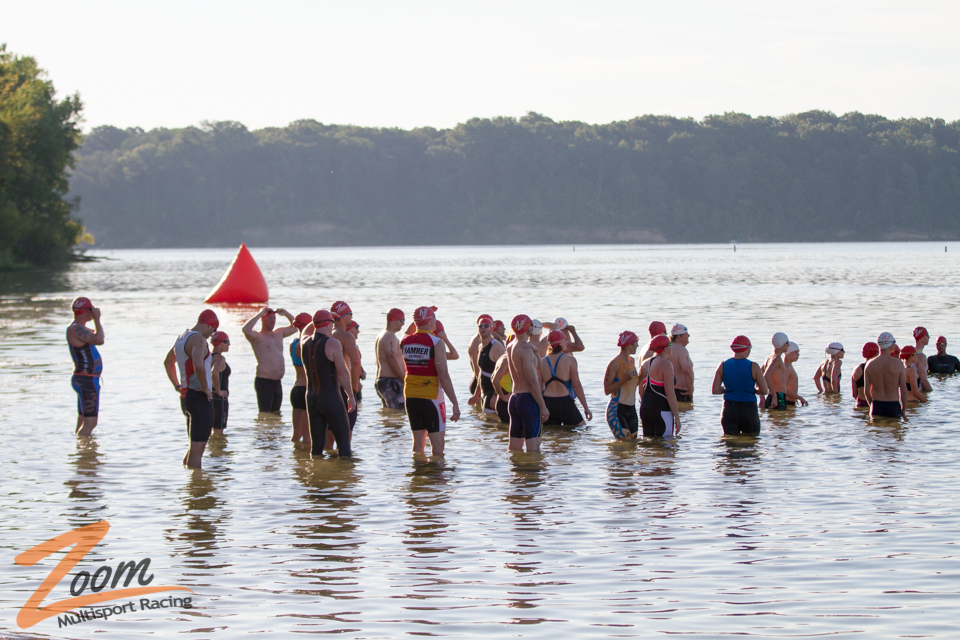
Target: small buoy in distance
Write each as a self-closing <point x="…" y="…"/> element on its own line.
<point x="734" y="248"/>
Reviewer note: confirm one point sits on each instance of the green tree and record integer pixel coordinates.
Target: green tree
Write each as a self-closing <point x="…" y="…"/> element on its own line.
<point x="38" y="135"/>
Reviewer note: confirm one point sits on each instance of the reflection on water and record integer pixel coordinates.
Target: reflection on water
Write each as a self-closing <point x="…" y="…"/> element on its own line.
<point x="829" y="523"/>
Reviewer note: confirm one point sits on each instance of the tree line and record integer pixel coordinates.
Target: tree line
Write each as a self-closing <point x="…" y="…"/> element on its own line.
<point x="811" y="176"/>
<point x="38" y="135"/>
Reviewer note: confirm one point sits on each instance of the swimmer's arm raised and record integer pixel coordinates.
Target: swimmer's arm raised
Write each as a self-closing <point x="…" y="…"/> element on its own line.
<point x="443" y="375"/>
<point x="451" y="350"/>
<point x="577" y="344"/>
<point x="170" y="366"/>
<point x="247" y="329"/>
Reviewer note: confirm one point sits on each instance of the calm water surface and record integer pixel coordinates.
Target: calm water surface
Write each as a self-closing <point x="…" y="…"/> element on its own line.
<point x="825" y="525"/>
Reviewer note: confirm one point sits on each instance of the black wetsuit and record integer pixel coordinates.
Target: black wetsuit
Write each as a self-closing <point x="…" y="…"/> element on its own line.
<point x="221" y="406"/>
<point x="486" y="366"/>
<point x="656" y="417"/>
<point x="943" y="364"/>
<point x="325" y="405"/>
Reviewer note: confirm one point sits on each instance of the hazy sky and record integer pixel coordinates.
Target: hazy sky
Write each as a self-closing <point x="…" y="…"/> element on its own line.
<point x="409" y="64"/>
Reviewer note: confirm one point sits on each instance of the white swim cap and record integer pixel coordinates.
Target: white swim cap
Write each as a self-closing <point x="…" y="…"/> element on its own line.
<point x="678" y="330"/>
<point x="834" y="348"/>
<point x="536" y="327"/>
<point x="886" y="340"/>
<point x="792" y="346"/>
<point x="779" y="339"/>
<point x="560" y="324"/>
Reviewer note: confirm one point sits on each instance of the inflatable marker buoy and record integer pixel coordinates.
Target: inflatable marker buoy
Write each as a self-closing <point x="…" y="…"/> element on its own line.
<point x="242" y="283"/>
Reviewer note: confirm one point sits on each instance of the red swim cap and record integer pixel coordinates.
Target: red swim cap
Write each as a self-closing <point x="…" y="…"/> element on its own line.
<point x="907" y="351"/>
<point x="340" y="309"/>
<point x="395" y="314"/>
<point x="423" y="315"/>
<point x="219" y="337"/>
<point x="302" y="320"/>
<point x="895" y="351"/>
<point x="209" y="318"/>
<point x="919" y="332"/>
<point x="626" y="339"/>
<point x="439" y="328"/>
<point x="871" y="350"/>
<point x="497" y="325"/>
<point x="520" y="323"/>
<point x="322" y="317"/>
<point x="657" y="328"/>
<point x="353" y="325"/>
<point x="741" y="344"/>
<point x="659" y="343"/>
<point x="555" y="337"/>
<point x="81" y="304"/>
<point x="941" y="340"/>
<point x="485" y="316"/>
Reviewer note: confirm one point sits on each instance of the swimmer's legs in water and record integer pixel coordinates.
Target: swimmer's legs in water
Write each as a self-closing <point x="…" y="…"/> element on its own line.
<point x="85" y="425"/>
<point x="437" y="442"/>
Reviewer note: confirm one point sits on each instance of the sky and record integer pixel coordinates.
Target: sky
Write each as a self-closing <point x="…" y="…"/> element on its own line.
<point x="416" y="63"/>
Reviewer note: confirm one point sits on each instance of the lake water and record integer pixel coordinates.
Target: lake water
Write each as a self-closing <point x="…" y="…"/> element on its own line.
<point x="824" y="525"/>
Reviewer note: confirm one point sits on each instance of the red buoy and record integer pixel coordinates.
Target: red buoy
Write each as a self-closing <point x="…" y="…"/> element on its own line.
<point x="242" y="283"/>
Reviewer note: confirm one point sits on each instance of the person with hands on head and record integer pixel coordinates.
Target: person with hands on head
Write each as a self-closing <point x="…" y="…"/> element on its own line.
<point x="425" y="381"/>
<point x="526" y="407"/>
<point x="330" y="395"/>
<point x="620" y="383"/>
<point x="442" y="334"/>
<point x="562" y="384"/>
<point x="220" y="372"/>
<point x="267" y="344"/>
<point x="739" y="380"/>
<point x="87" y="364"/>
<point x="574" y="343"/>
<point x="188" y="366"/>
<point x="298" y="394"/>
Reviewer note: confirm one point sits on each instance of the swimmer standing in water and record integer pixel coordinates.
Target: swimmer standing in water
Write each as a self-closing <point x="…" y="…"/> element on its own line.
<point x="739" y="380"/>
<point x="909" y="356"/>
<point x="298" y="395"/>
<point x="473" y="351"/>
<point x="620" y="383"/>
<point x="527" y="409"/>
<point x="922" y="337"/>
<point x="942" y="363"/>
<point x="658" y="406"/>
<point x="562" y="384"/>
<point x="827" y="377"/>
<point x="489" y="352"/>
<point x="220" y="371"/>
<point x="390" y="370"/>
<point x="885" y="381"/>
<point x="87" y="364"/>
<point x="682" y="364"/>
<point x="870" y="350"/>
<point x="793" y="380"/>
<point x="267" y="347"/>
<point x="328" y="383"/>
<point x="342" y="316"/>
<point x="190" y="357"/>
<point x="775" y="373"/>
<point x="425" y="382"/>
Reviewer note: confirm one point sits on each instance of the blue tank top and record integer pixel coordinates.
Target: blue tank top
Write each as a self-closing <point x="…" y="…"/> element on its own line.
<point x="86" y="360"/>
<point x="738" y="380"/>
<point x="297" y="362"/>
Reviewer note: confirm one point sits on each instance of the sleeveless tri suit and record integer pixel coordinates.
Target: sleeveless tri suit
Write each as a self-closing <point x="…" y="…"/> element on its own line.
<point x="193" y="401"/>
<point x="87" y="367"/>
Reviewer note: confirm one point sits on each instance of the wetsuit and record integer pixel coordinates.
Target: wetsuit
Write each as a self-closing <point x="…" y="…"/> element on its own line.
<point x="563" y="410"/>
<point x="221" y="406"/>
<point x="325" y="404"/>
<point x="298" y="395"/>
<point x="655" y="413"/>
<point x="943" y="364"/>
<point x="740" y="414"/>
<point x="486" y="366"/>
<point x="193" y="401"/>
<point x="87" y="367"/>
<point x="861" y="403"/>
<point x="424" y="399"/>
<point x="621" y="410"/>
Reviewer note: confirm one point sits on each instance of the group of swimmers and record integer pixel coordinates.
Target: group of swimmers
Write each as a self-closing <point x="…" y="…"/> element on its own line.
<point x="528" y="380"/>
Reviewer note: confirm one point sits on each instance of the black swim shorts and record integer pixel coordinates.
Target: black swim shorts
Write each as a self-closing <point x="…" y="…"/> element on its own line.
<point x="199" y="413"/>
<point x="563" y="411"/>
<point x="740" y="418"/>
<point x="298" y="398"/>
<point x="269" y="394"/>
